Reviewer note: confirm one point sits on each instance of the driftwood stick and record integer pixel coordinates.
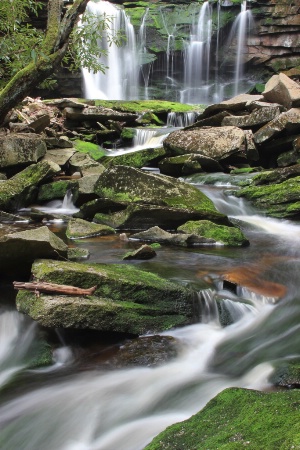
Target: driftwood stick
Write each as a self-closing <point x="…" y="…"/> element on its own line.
<point x="54" y="288"/>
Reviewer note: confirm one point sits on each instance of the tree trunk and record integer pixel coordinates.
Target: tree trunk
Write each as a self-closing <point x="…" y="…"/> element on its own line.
<point x="53" y="50"/>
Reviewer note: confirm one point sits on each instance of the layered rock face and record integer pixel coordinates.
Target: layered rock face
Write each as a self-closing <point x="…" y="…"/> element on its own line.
<point x="275" y="43"/>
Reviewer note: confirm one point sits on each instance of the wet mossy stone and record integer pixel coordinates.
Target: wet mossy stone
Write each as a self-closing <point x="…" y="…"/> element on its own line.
<point x="20" y="190"/>
<point x="79" y="229"/>
<point x="231" y="236"/>
<point x="287" y="374"/>
<point x="280" y="200"/>
<point x="55" y="190"/>
<point x="143" y="252"/>
<point x="136" y="159"/>
<point x="129" y="185"/>
<point x="94" y="151"/>
<point x="126" y="300"/>
<point x="238" y="418"/>
<point x="155" y="106"/>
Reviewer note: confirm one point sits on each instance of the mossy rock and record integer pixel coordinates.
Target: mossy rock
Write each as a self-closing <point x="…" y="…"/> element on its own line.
<point x="231" y="236"/>
<point x="136" y="159"/>
<point x="55" y="190"/>
<point x="93" y="150"/>
<point x="79" y="229"/>
<point x="280" y="200"/>
<point x="238" y="418"/>
<point x="287" y="374"/>
<point x="155" y="106"/>
<point x="128" y="185"/>
<point x="21" y="190"/>
<point x="126" y="300"/>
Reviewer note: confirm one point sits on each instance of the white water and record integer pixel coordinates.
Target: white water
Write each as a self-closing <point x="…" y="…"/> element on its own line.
<point x="120" y="80"/>
<point x="65" y="206"/>
<point x="124" y="409"/>
<point x="145" y="138"/>
<point x="181" y="119"/>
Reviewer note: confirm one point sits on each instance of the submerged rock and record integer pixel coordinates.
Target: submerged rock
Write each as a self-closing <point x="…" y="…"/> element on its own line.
<point x="78" y="229"/>
<point x="143" y="252"/>
<point x="126" y="299"/>
<point x="238" y="418"/>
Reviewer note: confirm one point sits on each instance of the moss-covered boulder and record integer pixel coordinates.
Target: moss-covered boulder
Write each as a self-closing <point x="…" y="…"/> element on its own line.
<point x="126" y="299"/>
<point x="287" y="374"/>
<point x="93" y="150"/>
<point x="78" y="229"/>
<point x="143" y="252"/>
<point x="21" y="149"/>
<point x="136" y="159"/>
<point x="238" y="418"/>
<point x="84" y="164"/>
<point x="19" y="250"/>
<point x="280" y="200"/>
<point x="188" y="164"/>
<point x="21" y="190"/>
<point x="219" y="233"/>
<point x="128" y="185"/>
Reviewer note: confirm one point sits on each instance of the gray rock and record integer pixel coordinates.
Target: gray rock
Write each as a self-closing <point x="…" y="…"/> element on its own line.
<point x="282" y="89"/>
<point x="143" y="252"/>
<point x="258" y="117"/>
<point x="59" y="156"/>
<point x="287" y="121"/>
<point x="21" y="149"/>
<point x="78" y="229"/>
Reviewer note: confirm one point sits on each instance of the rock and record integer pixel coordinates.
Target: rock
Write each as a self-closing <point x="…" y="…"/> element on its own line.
<point x="279" y="200"/>
<point x="66" y="103"/>
<point x="56" y="190"/>
<point x="99" y="205"/>
<point x="236" y="103"/>
<point x="156" y="234"/>
<point x="21" y="190"/>
<point x="76" y="253"/>
<point x="21" y="149"/>
<point x="212" y="121"/>
<point x="10" y="218"/>
<point x="83" y="163"/>
<point x="19" y="250"/>
<point x="281" y="89"/>
<point x="257" y="117"/>
<point x="221" y="234"/>
<point x="127" y="300"/>
<point x="141" y="217"/>
<point x="98" y="114"/>
<point x="39" y="124"/>
<point x="251" y="149"/>
<point x="287" y="121"/>
<point x="128" y="185"/>
<point x="217" y="143"/>
<point x="287" y="374"/>
<point x="79" y="229"/>
<point x="147" y="351"/>
<point x="187" y="164"/>
<point x="136" y="159"/>
<point x="59" y="156"/>
<point x="143" y="252"/>
<point x="230" y="417"/>
<point x="64" y="142"/>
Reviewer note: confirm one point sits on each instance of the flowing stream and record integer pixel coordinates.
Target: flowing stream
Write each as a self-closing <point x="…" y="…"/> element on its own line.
<point x="68" y="407"/>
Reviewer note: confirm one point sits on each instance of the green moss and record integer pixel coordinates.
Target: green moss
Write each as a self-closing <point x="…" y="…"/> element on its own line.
<point x="226" y="235"/>
<point x="128" y="134"/>
<point x="55" y="190"/>
<point x="236" y="419"/>
<point x="95" y="151"/>
<point x="136" y="159"/>
<point x="155" y="106"/>
<point x="42" y="355"/>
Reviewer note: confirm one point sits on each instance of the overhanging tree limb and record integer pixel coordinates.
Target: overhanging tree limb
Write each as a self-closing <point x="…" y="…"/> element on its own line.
<point x="50" y="54"/>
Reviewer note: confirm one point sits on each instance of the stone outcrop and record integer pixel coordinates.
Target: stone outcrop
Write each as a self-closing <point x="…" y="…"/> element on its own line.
<point x="21" y="149"/>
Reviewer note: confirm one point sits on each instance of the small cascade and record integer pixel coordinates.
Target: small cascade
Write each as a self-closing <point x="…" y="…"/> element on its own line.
<point x="145" y="138"/>
<point x="120" y="80"/>
<point x="197" y="58"/>
<point x="183" y="119"/>
<point x="208" y="307"/>
<point x="236" y="310"/>
<point x="145" y="68"/>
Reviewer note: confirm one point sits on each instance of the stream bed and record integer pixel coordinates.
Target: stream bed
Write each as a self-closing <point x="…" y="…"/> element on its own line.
<point x="78" y="403"/>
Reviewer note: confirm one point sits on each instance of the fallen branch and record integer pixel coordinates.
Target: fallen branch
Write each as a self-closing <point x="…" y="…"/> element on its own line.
<point x="38" y="287"/>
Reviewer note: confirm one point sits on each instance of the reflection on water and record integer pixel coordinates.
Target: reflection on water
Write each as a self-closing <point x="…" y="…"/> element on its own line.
<point x="123" y="409"/>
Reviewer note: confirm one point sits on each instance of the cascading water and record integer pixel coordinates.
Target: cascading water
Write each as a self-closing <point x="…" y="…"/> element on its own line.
<point x="120" y="80"/>
<point x="123" y="409"/>
<point x="197" y="59"/>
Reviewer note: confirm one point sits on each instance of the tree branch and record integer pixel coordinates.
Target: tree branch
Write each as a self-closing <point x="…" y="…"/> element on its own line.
<point x="38" y="287"/>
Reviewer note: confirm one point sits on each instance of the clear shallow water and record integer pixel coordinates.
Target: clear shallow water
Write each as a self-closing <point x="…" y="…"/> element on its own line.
<point x="72" y="408"/>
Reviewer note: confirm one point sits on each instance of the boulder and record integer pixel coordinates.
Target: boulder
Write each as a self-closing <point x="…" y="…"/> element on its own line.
<point x="220" y="234"/>
<point x="99" y="205"/>
<point x="129" y="185"/>
<point x="217" y="143"/>
<point x="83" y="163"/>
<point x="79" y="229"/>
<point x="21" y="190"/>
<point x="288" y="121"/>
<point x="236" y="103"/>
<point x="156" y="234"/>
<point x="258" y="117"/>
<point x="126" y="300"/>
<point x="56" y="190"/>
<point x="98" y="114"/>
<point x="59" y="156"/>
<point x="19" y="250"/>
<point x="282" y="89"/>
<point x="187" y="164"/>
<point x="21" y="149"/>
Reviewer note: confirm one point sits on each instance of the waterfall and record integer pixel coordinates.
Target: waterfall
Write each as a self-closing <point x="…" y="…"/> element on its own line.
<point x="240" y="29"/>
<point x="197" y="58"/>
<point x="181" y="119"/>
<point x="120" y="80"/>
